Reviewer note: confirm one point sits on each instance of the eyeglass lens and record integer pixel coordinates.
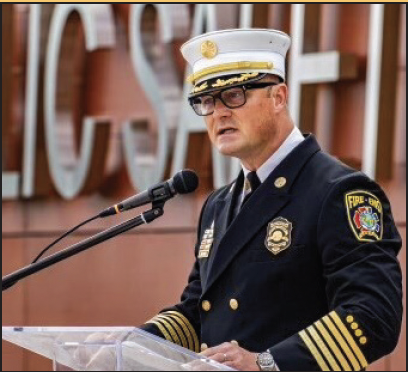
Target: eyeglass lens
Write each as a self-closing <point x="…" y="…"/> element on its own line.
<point x="232" y="98"/>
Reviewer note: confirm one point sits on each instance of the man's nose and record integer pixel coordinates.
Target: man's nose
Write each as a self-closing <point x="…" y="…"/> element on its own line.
<point x="220" y="110"/>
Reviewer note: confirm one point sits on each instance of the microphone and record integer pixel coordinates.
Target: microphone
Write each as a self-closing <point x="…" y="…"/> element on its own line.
<point x="183" y="182"/>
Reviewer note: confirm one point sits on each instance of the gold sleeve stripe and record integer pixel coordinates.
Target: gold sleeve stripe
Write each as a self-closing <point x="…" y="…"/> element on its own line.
<point x="162" y="330"/>
<point x="189" y="326"/>
<point x="323" y="348"/>
<point x="170" y="329"/>
<point x="349" y="338"/>
<point x="316" y="354"/>
<point x="191" y="335"/>
<point x="191" y="345"/>
<point x="343" y="344"/>
<point x="176" y="328"/>
<point x="332" y="344"/>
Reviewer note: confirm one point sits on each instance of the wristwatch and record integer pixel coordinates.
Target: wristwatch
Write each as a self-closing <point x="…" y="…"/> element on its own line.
<point x="266" y="362"/>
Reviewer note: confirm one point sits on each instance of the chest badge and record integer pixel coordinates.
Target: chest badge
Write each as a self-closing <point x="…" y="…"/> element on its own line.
<point x="279" y="235"/>
<point x="206" y="242"/>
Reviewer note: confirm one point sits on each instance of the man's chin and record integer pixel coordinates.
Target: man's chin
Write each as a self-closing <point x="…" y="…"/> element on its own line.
<point x="228" y="151"/>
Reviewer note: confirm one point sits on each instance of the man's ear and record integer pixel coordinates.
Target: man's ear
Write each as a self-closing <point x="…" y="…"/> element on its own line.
<point x="280" y="97"/>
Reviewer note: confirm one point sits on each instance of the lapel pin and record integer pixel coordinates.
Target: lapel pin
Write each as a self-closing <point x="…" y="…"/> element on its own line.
<point x="280" y="182"/>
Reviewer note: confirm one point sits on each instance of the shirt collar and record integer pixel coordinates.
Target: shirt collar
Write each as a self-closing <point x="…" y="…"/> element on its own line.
<point x="292" y="141"/>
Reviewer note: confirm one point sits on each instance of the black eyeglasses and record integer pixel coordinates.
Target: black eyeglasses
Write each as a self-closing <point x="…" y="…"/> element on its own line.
<point x="231" y="97"/>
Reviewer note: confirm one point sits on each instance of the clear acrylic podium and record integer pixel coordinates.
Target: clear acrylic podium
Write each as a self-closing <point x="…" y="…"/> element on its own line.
<point x="107" y="349"/>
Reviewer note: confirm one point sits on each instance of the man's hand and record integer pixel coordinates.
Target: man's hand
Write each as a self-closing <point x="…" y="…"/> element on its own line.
<point x="233" y="356"/>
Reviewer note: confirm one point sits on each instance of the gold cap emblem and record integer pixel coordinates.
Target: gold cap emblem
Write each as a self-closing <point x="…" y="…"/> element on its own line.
<point x="209" y="49"/>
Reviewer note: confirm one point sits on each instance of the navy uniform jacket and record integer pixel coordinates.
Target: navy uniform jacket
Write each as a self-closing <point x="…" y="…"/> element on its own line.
<point x="308" y="269"/>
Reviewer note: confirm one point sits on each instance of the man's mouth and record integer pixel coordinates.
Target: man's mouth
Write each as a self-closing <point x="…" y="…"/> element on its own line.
<point x="226" y="131"/>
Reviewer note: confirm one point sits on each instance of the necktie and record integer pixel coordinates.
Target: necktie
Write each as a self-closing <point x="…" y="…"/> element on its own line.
<point x="254" y="181"/>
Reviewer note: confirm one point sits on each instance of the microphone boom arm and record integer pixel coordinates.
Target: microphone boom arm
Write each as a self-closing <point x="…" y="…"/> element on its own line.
<point x="144" y="218"/>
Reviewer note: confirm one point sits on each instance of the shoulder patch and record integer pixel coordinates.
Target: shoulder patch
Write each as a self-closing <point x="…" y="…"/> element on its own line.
<point x="365" y="215"/>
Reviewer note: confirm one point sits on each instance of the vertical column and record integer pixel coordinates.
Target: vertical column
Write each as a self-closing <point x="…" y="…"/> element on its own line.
<point x="369" y="161"/>
<point x="382" y="70"/>
<point x="10" y="180"/>
<point x="309" y="67"/>
<point x="326" y="96"/>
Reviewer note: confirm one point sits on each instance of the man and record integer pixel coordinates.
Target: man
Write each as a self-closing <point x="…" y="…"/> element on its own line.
<point x="296" y="262"/>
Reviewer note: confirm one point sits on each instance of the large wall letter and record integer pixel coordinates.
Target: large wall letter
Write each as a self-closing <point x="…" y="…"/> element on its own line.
<point x="9" y="180"/>
<point x="99" y="30"/>
<point x="148" y="168"/>
<point x="189" y="122"/>
<point x="31" y="101"/>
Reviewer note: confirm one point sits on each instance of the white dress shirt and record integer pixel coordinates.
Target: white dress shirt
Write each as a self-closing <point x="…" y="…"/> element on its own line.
<point x="291" y="142"/>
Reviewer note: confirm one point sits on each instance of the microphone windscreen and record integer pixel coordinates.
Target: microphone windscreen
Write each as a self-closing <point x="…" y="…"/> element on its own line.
<point x="185" y="181"/>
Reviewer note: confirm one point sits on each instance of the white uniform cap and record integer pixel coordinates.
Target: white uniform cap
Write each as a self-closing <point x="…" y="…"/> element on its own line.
<point x="248" y="52"/>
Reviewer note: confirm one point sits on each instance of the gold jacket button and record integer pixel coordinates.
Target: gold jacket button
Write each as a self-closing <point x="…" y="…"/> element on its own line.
<point x="354" y="326"/>
<point x="363" y="340"/>
<point x="204" y="347"/>
<point x="235" y="343"/>
<point x="234" y="304"/>
<point x="350" y="319"/>
<point x="206" y="305"/>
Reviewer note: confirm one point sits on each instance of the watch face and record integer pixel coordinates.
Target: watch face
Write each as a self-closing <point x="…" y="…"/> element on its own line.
<point x="265" y="360"/>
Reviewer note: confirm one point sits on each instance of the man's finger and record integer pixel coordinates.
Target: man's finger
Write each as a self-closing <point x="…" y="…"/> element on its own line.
<point x="220" y="358"/>
<point x="212" y="351"/>
<point x="207" y="353"/>
<point x="223" y="348"/>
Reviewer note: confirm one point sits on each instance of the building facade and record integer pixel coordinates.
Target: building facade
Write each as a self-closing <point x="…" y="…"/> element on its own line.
<point x="93" y="111"/>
